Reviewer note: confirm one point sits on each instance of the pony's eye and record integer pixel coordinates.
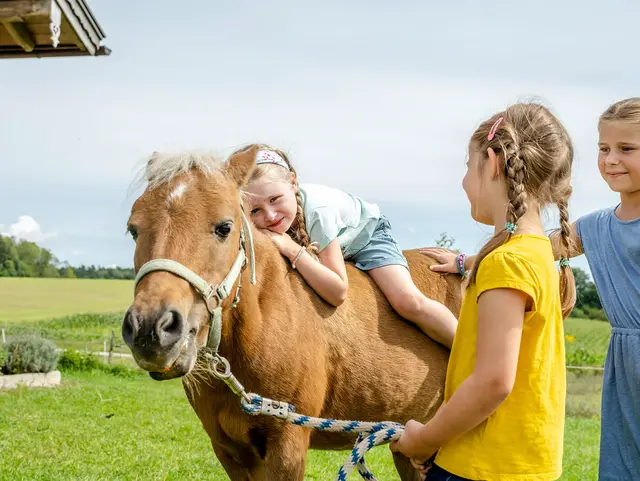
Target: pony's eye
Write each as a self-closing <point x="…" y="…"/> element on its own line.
<point x="223" y="229"/>
<point x="133" y="231"/>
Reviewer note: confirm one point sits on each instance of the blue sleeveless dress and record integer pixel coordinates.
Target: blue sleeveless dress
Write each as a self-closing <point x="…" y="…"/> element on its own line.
<point x="612" y="249"/>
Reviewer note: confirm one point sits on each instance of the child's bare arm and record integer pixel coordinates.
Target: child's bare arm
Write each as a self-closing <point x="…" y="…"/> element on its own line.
<point x="328" y="277"/>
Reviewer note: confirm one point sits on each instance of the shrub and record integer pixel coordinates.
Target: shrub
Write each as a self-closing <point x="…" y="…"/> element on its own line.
<point x="583" y="357"/>
<point x="595" y="313"/>
<point x="3" y="356"/>
<point x="30" y="353"/>
<point x="75" y="361"/>
<point x="86" y="362"/>
<point x="577" y="313"/>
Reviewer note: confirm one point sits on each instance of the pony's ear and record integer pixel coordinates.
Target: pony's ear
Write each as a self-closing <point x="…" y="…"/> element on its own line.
<point x="240" y="165"/>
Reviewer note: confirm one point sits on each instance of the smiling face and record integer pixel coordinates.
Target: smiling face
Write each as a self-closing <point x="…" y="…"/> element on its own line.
<point x="272" y="205"/>
<point x="270" y="198"/>
<point x="619" y="156"/>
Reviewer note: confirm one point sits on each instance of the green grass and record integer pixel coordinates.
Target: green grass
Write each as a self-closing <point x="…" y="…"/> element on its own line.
<point x="98" y="426"/>
<point x="30" y="299"/>
<point x="153" y="433"/>
<point x="586" y="341"/>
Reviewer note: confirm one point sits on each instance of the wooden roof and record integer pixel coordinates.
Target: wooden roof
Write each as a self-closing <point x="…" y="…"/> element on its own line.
<point x="49" y="28"/>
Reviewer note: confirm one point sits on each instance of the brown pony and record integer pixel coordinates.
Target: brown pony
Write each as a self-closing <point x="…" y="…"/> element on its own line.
<point x="360" y="361"/>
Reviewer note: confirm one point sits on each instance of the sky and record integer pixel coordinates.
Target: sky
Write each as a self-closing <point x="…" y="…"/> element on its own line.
<point x="376" y="98"/>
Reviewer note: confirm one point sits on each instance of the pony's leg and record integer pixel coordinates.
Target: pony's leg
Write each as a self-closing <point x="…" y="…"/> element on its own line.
<point x="287" y="455"/>
<point x="405" y="469"/>
<point x="236" y="469"/>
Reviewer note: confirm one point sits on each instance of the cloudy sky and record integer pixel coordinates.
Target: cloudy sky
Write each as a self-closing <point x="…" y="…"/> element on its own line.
<point x="377" y="98"/>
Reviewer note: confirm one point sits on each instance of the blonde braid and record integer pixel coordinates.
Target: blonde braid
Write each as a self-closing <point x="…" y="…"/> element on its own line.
<point x="517" y="194"/>
<point x="298" y="230"/>
<point x="567" y="280"/>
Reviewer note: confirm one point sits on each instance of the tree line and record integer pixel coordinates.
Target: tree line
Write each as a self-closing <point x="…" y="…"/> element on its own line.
<point x="20" y="258"/>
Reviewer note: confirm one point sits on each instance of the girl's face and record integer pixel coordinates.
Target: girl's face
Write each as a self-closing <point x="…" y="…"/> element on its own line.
<point x="619" y="156"/>
<point x="475" y="186"/>
<point x="273" y="204"/>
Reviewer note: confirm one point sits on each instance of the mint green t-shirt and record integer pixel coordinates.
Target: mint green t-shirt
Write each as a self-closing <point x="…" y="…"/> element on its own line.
<point x="333" y="214"/>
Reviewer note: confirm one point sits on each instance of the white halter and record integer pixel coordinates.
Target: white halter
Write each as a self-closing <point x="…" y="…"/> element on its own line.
<point x="209" y="291"/>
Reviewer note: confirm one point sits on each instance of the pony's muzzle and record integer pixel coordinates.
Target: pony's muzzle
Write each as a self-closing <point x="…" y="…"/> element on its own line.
<point x="154" y="339"/>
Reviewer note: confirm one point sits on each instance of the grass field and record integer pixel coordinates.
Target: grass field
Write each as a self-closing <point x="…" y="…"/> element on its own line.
<point x="586" y="341"/>
<point x="32" y="299"/>
<point x="98" y="426"/>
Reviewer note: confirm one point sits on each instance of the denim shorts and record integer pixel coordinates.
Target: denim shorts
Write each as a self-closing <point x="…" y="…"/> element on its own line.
<point x="381" y="250"/>
<point x="436" y="473"/>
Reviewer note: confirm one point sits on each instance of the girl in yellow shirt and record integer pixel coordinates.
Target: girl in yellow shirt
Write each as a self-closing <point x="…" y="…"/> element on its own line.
<point x="503" y="415"/>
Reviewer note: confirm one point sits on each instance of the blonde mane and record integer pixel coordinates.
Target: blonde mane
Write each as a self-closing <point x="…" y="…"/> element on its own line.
<point x="162" y="167"/>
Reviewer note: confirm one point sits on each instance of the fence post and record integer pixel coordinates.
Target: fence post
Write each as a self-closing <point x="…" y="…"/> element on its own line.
<point x="4" y="339"/>
<point x="111" y="345"/>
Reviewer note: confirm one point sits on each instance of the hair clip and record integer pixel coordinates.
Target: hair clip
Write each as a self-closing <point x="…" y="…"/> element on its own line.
<point x="564" y="262"/>
<point x="510" y="227"/>
<point x="492" y="132"/>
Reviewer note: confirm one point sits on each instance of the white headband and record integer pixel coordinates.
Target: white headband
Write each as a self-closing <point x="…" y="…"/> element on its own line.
<point x="270" y="157"/>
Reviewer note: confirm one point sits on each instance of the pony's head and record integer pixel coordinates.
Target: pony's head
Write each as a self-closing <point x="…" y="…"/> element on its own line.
<point x="189" y="222"/>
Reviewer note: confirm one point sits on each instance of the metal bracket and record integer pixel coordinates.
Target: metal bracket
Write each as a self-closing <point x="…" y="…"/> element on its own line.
<point x="274" y="408"/>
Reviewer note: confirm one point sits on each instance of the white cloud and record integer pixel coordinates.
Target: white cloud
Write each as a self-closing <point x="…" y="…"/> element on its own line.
<point x="28" y="229"/>
<point x="77" y="252"/>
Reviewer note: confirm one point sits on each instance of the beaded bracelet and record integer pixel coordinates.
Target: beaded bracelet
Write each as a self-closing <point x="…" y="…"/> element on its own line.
<point x="460" y="264"/>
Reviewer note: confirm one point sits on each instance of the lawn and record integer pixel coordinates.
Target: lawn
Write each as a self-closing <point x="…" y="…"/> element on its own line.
<point x="30" y="299"/>
<point x="90" y="428"/>
<point x="100" y="426"/>
<point x="586" y="341"/>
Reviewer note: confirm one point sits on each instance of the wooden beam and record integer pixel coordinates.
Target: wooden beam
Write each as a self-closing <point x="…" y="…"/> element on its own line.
<point x="16" y="10"/>
<point x="21" y="35"/>
<point x="85" y="39"/>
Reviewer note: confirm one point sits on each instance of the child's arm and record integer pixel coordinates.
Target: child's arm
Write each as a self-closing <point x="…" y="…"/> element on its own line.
<point x="329" y="278"/>
<point x="492" y="380"/>
<point x="447" y="260"/>
<point x="575" y="245"/>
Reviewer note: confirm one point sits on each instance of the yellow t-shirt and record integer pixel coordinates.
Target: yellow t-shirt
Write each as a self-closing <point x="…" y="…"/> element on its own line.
<point x="523" y="438"/>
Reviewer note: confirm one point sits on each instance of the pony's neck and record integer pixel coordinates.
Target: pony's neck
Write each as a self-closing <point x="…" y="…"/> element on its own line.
<point x="242" y="326"/>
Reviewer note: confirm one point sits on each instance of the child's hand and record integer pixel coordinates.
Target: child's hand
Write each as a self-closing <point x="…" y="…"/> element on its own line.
<point x="447" y="259"/>
<point x="412" y="446"/>
<point x="285" y="244"/>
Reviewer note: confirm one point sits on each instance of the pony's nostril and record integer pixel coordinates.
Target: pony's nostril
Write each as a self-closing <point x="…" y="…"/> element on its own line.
<point x="129" y="327"/>
<point x="170" y="325"/>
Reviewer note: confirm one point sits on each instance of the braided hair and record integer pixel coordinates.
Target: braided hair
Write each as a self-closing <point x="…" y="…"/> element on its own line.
<point x="537" y="154"/>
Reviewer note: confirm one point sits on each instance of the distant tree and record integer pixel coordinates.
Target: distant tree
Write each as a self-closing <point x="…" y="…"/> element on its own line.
<point x="586" y="293"/>
<point x="20" y="258"/>
<point x="446" y="242"/>
<point x="67" y="272"/>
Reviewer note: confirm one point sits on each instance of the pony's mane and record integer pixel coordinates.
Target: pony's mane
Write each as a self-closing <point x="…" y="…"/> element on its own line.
<point x="162" y="167"/>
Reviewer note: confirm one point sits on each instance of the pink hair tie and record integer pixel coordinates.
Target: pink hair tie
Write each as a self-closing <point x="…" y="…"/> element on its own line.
<point x="492" y="132"/>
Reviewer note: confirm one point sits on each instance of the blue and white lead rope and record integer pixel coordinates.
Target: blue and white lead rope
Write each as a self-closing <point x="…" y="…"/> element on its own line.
<point x="378" y="433"/>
